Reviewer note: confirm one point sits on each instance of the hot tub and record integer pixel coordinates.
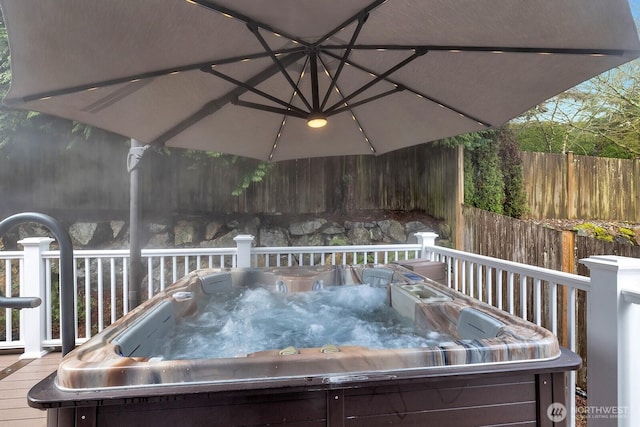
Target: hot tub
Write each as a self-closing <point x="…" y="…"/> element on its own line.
<point x="462" y="354"/>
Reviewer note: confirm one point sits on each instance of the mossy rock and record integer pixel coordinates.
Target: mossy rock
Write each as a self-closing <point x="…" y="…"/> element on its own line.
<point x="590" y="229"/>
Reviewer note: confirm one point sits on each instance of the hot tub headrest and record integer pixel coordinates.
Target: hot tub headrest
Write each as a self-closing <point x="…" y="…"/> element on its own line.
<point x="376" y="276"/>
<point x="143" y="336"/>
<point x="474" y="324"/>
<point x="216" y="282"/>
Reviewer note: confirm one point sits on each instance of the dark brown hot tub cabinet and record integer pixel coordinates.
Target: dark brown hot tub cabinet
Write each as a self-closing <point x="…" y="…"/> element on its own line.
<point x="509" y="394"/>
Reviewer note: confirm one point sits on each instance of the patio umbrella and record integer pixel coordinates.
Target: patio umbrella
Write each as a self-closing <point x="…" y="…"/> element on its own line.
<point x="246" y="77"/>
<point x="250" y="77"/>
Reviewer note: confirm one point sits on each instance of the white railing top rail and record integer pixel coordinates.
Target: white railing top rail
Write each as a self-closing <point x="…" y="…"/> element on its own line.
<point x="124" y="253"/>
<point x="325" y="249"/>
<point x="11" y="254"/>
<point x="546" y="274"/>
<point x="631" y="296"/>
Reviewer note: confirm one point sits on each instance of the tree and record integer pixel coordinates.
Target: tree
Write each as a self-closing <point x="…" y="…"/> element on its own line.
<point x="600" y="117"/>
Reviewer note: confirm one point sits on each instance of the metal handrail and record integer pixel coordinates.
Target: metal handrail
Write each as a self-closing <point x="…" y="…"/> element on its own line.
<point x="67" y="296"/>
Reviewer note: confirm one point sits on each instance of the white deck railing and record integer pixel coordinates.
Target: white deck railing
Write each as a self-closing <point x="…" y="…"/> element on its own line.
<point x="543" y="296"/>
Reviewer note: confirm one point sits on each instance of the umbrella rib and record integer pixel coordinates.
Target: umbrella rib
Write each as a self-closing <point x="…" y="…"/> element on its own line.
<point x="420" y="94"/>
<point x="348" y="107"/>
<point x="213" y="106"/>
<point x="361" y="20"/>
<point x="355" y="17"/>
<point x="137" y="77"/>
<point x="250" y="87"/>
<point x="490" y="49"/>
<point x="284" y="118"/>
<point x="378" y="78"/>
<point x="254" y="29"/>
<point x="208" y="4"/>
<point x="269" y="108"/>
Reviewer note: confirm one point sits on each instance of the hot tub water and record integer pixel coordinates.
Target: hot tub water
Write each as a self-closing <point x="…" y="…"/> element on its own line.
<point x="242" y="321"/>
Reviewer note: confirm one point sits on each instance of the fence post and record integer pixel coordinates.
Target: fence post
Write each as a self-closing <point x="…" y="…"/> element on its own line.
<point x="612" y="343"/>
<point x="426" y="239"/>
<point x="32" y="284"/>
<point x="243" y="244"/>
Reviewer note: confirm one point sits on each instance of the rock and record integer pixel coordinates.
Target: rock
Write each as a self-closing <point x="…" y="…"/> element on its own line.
<point x="184" y="233"/>
<point x="337" y="240"/>
<point x="393" y="230"/>
<point x="32" y="230"/>
<point x="444" y="230"/>
<point x="415" y="226"/>
<point x="308" y="240"/>
<point x="359" y="236"/>
<point x="622" y="240"/>
<point x="89" y="233"/>
<point x="211" y="229"/>
<point x="159" y="241"/>
<point x="376" y="234"/>
<point x="636" y="231"/>
<point x="225" y="241"/>
<point x="350" y="225"/>
<point x="333" y="228"/>
<point x="252" y="226"/>
<point x="306" y="227"/>
<point x="155" y="228"/>
<point x="116" y="228"/>
<point x="272" y="237"/>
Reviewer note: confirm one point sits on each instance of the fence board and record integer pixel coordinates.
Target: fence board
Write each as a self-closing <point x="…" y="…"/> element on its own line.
<point x="602" y="188"/>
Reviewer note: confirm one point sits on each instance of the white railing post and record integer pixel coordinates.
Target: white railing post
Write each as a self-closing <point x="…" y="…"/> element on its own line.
<point x="243" y="242"/>
<point x="32" y="284"/>
<point x="612" y="342"/>
<point x="426" y="239"/>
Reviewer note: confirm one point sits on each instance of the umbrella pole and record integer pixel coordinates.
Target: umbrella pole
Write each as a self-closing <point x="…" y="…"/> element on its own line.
<point x="135" y="252"/>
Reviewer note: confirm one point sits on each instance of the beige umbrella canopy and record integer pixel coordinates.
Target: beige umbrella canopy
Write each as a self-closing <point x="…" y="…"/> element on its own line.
<point x="245" y="77"/>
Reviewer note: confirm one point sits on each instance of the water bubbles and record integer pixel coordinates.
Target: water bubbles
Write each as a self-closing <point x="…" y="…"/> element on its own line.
<point x="254" y="320"/>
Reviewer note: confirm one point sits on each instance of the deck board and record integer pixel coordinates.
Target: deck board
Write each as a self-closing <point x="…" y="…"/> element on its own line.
<point x="14" y="409"/>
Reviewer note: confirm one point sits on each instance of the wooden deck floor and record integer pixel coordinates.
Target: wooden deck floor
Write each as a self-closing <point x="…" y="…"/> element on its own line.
<point x="16" y="378"/>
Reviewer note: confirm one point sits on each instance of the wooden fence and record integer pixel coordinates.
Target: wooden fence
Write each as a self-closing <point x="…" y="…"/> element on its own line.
<point x="570" y="186"/>
<point x="498" y="236"/>
<point x="92" y="181"/>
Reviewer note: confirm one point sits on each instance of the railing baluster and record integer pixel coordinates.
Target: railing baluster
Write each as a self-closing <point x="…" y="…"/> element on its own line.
<point x="8" y="278"/>
<point x="471" y="279"/>
<point x="463" y="282"/>
<point x="499" y="289"/>
<point x="75" y="300"/>
<point x="174" y="268"/>
<point x="510" y="291"/>
<point x="553" y="310"/>
<point x="571" y="336"/>
<point x="479" y="282"/>
<point x="87" y="297"/>
<point x="100" y="296"/>
<point x="163" y="274"/>
<point x="523" y="297"/>
<point x="113" y="289"/>
<point x="537" y="301"/>
<point x="149" y="277"/>
<point x="48" y="308"/>
<point x="125" y="286"/>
